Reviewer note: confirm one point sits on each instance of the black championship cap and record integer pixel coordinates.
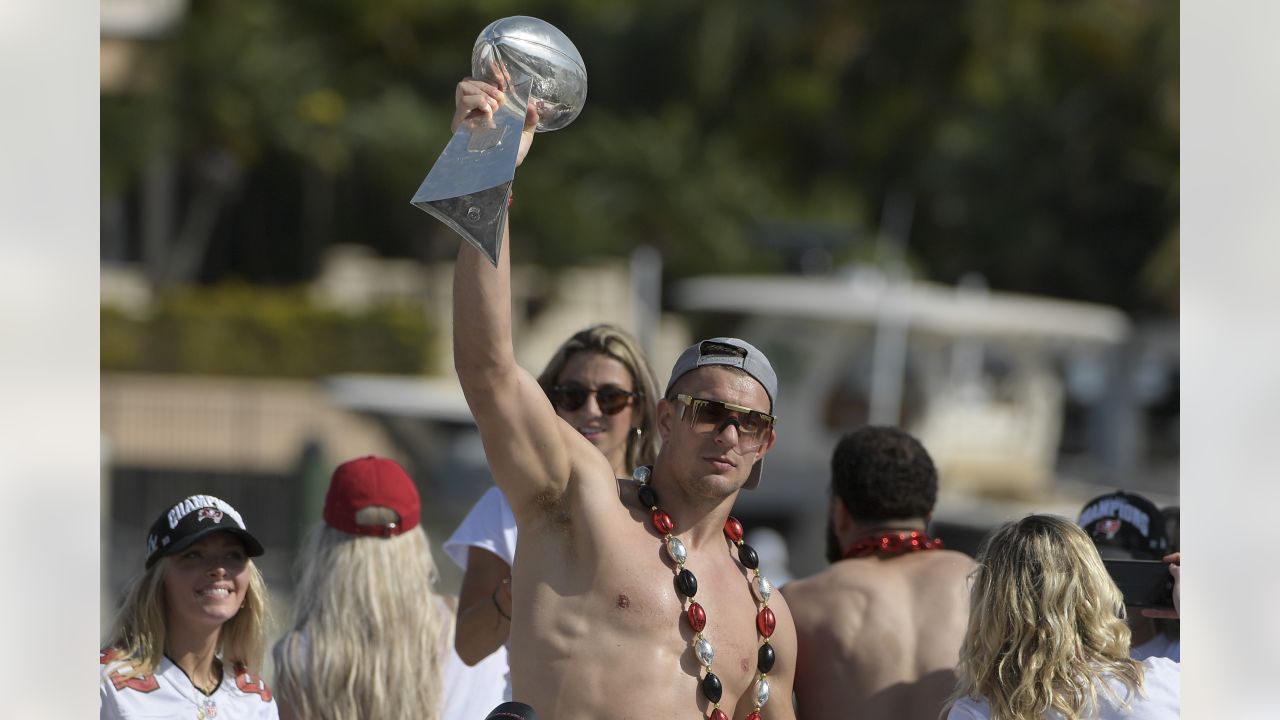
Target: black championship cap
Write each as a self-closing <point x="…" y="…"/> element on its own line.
<point x="192" y="519"/>
<point x="1127" y="522"/>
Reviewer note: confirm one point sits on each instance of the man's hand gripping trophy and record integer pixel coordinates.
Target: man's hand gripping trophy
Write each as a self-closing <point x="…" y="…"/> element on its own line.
<point x="526" y="77"/>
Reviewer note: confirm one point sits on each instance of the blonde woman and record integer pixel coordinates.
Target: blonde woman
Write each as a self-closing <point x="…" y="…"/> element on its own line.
<point x="1047" y="636"/>
<point x="600" y="383"/>
<point x="369" y="637"/>
<point x="188" y="639"/>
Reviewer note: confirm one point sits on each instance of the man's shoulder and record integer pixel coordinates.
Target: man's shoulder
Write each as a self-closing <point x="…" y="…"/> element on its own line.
<point x="951" y="560"/>
<point x="869" y="578"/>
<point x="810" y="584"/>
<point x="933" y="569"/>
<point x="837" y="585"/>
<point x="843" y="574"/>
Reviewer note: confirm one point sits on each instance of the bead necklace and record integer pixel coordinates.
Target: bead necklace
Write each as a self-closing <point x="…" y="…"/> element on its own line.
<point x="891" y="543"/>
<point x="687" y="586"/>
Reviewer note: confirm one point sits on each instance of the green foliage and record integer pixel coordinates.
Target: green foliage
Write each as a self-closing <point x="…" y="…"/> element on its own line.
<point x="123" y="338"/>
<point x="1038" y="139"/>
<point x="236" y="329"/>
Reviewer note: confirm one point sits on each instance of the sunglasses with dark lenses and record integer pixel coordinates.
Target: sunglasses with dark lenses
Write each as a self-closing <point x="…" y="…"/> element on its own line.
<point x="711" y="417"/>
<point x="611" y="399"/>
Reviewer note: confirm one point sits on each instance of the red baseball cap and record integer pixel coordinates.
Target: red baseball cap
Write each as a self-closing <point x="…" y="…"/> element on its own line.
<point x="367" y="482"/>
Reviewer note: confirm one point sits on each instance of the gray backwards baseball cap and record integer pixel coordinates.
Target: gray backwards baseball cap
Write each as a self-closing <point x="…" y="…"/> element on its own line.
<point x="734" y="353"/>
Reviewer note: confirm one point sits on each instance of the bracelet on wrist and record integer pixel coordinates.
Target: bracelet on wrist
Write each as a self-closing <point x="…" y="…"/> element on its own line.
<point x="494" y="597"/>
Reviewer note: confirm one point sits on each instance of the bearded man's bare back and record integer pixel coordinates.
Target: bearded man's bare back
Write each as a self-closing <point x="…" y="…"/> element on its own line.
<point x="880" y="636"/>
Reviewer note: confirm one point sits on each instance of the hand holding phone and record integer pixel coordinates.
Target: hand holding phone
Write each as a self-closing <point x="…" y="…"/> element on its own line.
<point x="1175" y="569"/>
<point x="1145" y="584"/>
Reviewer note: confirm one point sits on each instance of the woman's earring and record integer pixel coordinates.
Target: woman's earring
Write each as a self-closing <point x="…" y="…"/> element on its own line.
<point x="639" y="432"/>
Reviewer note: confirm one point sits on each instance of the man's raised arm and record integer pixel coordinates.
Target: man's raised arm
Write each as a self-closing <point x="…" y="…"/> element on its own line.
<point x="523" y="437"/>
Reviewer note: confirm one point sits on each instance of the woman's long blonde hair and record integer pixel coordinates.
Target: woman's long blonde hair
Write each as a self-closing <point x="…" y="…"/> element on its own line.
<point x="369" y="634"/>
<point x="612" y="341"/>
<point x="1046" y="624"/>
<point x="138" y="631"/>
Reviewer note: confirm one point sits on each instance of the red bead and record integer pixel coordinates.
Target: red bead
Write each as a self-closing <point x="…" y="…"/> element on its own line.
<point x="697" y="617"/>
<point x="662" y="522"/>
<point x="718" y="714"/>
<point x="766" y="622"/>
<point x="754" y="716"/>
<point x="733" y="529"/>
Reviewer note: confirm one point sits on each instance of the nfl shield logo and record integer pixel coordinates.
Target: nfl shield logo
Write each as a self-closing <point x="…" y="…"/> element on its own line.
<point x="1108" y="527"/>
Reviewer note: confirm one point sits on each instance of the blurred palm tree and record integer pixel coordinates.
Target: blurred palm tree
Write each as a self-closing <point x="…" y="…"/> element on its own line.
<point x="1038" y="140"/>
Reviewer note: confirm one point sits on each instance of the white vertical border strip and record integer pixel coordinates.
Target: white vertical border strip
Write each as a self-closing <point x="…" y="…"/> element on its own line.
<point x="49" y="428"/>
<point x="1230" y="229"/>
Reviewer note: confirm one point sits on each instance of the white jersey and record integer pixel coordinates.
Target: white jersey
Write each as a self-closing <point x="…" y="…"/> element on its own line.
<point x="169" y="693"/>
<point x="470" y="693"/>
<point x="1158" y="700"/>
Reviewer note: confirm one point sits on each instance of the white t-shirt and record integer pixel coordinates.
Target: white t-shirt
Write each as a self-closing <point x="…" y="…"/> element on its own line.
<point x="169" y="693"/>
<point x="490" y="525"/>
<point x="471" y="692"/>
<point x="1158" y="700"/>
<point x="1158" y="646"/>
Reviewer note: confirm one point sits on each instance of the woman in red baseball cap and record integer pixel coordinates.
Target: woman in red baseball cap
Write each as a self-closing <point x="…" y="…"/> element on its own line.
<point x="370" y="636"/>
<point x="189" y="637"/>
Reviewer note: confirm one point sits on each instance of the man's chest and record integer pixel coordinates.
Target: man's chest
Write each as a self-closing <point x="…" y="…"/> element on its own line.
<point x="614" y="584"/>
<point x="708" y="615"/>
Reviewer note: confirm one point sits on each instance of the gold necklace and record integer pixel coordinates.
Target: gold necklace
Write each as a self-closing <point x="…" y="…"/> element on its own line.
<point x="207" y="707"/>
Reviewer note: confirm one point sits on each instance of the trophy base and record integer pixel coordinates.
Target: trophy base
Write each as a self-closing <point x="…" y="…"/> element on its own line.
<point x="477" y="217"/>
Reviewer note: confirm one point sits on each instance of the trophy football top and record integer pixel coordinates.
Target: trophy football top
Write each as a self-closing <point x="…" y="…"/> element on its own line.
<point x="469" y="187"/>
<point x="534" y="57"/>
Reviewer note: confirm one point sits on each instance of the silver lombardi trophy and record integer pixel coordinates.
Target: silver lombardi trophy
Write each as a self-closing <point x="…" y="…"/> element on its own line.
<point x="468" y="187"/>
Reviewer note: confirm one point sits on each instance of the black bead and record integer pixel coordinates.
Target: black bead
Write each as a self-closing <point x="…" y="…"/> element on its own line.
<point x="765" y="658"/>
<point x="686" y="583"/>
<point x="748" y="557"/>
<point x="711" y="687"/>
<point x="648" y="497"/>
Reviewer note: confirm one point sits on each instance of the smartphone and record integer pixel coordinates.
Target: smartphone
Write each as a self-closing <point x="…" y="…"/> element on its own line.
<point x="1144" y="583"/>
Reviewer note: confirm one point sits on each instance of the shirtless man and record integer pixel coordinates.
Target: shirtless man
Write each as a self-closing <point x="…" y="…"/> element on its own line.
<point x="880" y="630"/>
<point x="600" y="626"/>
